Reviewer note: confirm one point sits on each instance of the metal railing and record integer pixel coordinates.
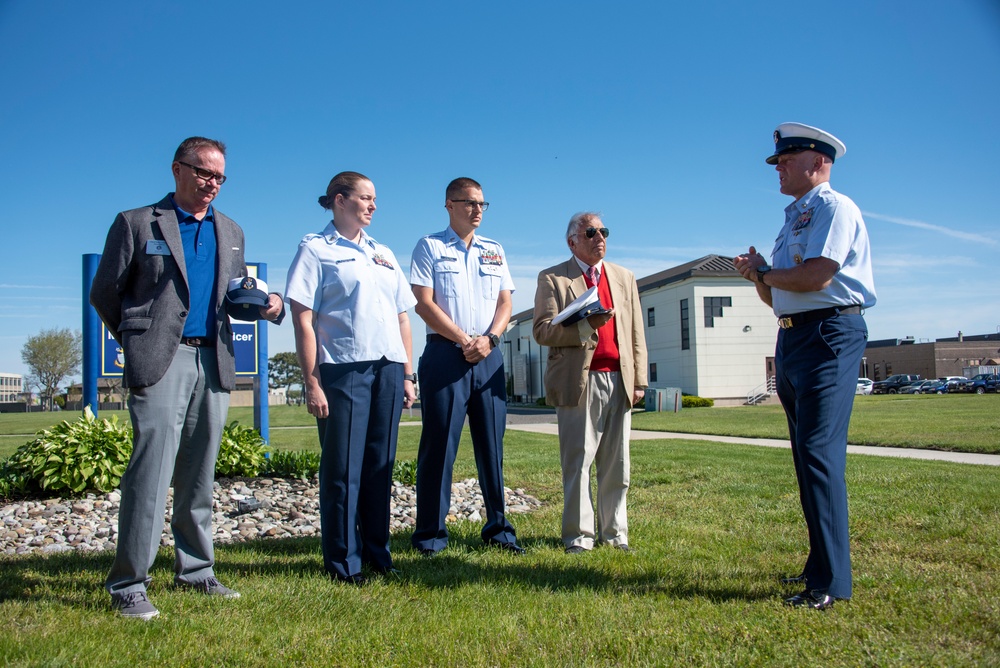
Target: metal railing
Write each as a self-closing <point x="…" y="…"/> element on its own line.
<point x="761" y="392"/>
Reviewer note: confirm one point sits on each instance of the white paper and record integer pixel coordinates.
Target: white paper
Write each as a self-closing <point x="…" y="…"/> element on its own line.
<point x="581" y="302"/>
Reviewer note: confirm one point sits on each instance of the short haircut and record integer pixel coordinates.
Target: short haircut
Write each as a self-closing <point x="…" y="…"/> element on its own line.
<point x="189" y="148"/>
<point x="578" y="220"/>
<point x="342" y="184"/>
<point x="461" y="183"/>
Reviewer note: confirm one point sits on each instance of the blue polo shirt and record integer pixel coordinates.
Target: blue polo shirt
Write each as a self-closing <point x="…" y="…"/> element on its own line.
<point x="198" y="240"/>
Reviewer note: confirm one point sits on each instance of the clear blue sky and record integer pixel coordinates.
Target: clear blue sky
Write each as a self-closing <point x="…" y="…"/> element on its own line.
<point x="659" y="114"/>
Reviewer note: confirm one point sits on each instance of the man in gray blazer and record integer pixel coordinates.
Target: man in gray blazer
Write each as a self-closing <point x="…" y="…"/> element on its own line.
<point x="160" y="288"/>
<point x="595" y="373"/>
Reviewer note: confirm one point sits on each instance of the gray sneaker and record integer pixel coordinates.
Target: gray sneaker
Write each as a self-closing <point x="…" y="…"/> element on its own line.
<point x="212" y="587"/>
<point x="134" y="605"/>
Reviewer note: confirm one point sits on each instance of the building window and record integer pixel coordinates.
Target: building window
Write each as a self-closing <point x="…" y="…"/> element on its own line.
<point x="685" y="326"/>
<point x="650" y="317"/>
<point x="713" y="308"/>
<point x="652" y="372"/>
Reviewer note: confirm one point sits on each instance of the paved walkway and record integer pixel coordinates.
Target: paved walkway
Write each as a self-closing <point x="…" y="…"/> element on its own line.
<point x="909" y="453"/>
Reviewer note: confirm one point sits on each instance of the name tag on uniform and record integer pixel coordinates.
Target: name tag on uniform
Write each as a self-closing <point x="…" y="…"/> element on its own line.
<point x="156" y="247"/>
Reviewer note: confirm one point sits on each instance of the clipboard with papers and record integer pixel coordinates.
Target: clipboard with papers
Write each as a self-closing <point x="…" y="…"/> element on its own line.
<point x="584" y="306"/>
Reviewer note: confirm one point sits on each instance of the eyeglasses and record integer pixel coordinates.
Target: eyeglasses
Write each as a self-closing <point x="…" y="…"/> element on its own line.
<point x="592" y="232"/>
<point x="204" y="174"/>
<point x="472" y="204"/>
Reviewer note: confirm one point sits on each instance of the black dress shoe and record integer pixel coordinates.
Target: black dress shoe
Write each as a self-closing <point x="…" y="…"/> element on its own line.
<point x="793" y="580"/>
<point x="427" y="552"/>
<point x="357" y="579"/>
<point x="816" y="600"/>
<point x="624" y="548"/>
<point x="513" y="548"/>
<point x="575" y="549"/>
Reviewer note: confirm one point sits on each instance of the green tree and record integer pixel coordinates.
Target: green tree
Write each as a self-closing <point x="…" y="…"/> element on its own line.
<point x="283" y="371"/>
<point x="53" y="355"/>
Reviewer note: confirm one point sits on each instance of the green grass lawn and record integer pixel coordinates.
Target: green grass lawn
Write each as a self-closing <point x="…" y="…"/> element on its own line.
<point x="714" y="526"/>
<point x="959" y="422"/>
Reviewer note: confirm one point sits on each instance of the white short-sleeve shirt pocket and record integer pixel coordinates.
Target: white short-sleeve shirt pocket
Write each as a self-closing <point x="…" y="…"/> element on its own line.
<point x="490" y="276"/>
<point x="340" y="280"/>
<point x="446" y="276"/>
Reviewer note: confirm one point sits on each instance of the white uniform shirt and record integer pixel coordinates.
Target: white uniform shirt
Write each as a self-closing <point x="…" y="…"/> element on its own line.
<point x="466" y="281"/>
<point x="824" y="223"/>
<point x="357" y="292"/>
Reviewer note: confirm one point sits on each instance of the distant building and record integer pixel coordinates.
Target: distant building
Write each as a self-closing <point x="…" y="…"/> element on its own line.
<point x="707" y="332"/>
<point x="11" y="388"/>
<point x="955" y="356"/>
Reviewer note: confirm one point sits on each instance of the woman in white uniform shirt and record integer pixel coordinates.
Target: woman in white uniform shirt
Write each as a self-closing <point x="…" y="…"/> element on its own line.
<point x="349" y="298"/>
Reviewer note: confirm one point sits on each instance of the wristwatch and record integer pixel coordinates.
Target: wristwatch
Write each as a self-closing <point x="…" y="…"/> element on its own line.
<point x="494" y="339"/>
<point x="761" y="270"/>
<point x="410" y="376"/>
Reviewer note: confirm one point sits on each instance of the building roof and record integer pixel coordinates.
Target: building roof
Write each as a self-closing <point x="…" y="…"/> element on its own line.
<point x="715" y="266"/>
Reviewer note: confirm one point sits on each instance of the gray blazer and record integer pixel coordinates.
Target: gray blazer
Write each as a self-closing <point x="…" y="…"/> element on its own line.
<point x="143" y="298"/>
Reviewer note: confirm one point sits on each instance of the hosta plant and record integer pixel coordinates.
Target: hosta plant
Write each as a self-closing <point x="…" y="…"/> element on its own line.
<point x="88" y="454"/>
<point x="241" y="452"/>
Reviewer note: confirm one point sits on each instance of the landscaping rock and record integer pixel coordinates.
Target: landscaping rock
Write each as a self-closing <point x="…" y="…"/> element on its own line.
<point x="289" y="507"/>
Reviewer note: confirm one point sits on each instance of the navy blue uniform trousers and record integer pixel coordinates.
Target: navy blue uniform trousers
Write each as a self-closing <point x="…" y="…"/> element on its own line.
<point x="450" y="389"/>
<point x="355" y="471"/>
<point x="817" y="375"/>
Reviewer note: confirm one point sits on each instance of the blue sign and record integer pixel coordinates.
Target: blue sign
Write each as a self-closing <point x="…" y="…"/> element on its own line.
<point x="245" y="347"/>
<point x="112" y="355"/>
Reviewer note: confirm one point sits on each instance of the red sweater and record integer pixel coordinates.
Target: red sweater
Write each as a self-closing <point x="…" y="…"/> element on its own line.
<point x="606" y="357"/>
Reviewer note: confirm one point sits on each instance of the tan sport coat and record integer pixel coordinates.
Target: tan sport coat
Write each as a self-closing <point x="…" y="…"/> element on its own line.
<point x="569" y="358"/>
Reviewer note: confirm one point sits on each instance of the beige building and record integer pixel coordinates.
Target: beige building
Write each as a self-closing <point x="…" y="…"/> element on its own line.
<point x="957" y="356"/>
<point x="11" y="387"/>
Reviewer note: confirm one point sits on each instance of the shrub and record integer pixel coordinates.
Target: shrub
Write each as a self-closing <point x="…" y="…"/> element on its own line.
<point x="13" y="483"/>
<point x="72" y="457"/>
<point x="405" y="471"/>
<point x="696" y="402"/>
<point x="241" y="452"/>
<point x="288" y="464"/>
<point x="540" y="401"/>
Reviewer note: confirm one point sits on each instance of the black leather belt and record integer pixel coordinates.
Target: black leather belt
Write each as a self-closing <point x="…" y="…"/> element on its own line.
<point x="437" y="338"/>
<point x="798" y="319"/>
<point x="197" y="342"/>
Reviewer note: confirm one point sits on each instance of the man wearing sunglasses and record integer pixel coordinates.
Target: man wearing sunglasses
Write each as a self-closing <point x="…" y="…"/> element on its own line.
<point x="596" y="372"/>
<point x="463" y="288"/>
<point x="160" y="288"/>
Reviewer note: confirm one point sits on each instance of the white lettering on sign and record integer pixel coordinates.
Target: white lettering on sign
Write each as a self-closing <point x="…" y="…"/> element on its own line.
<point x="242" y="337"/>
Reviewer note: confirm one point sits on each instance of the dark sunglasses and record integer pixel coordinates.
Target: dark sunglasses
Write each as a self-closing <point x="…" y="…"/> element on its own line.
<point x="592" y="232"/>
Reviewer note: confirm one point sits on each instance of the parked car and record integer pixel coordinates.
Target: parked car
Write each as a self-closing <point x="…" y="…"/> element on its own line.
<point x="952" y="383"/>
<point x="919" y="387"/>
<point x="892" y="384"/>
<point x="940" y="385"/>
<point x="982" y="383"/>
<point x="864" y="386"/>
